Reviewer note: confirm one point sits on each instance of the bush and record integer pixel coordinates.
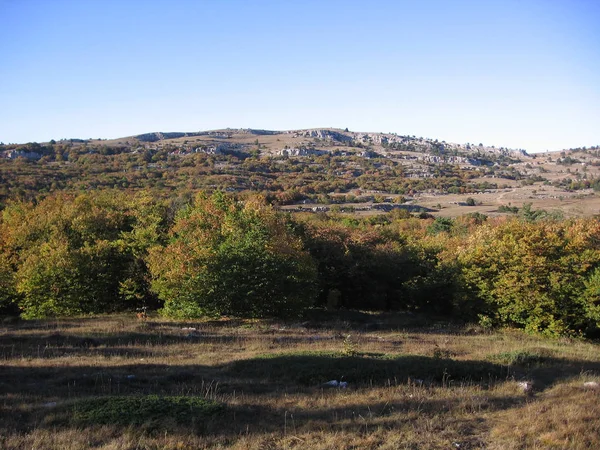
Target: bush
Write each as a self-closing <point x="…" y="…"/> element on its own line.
<point x="7" y="286"/>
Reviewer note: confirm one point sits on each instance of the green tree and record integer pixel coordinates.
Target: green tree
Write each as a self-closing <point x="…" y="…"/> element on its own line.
<point x="535" y="275"/>
<point x="225" y="257"/>
<point x="7" y="284"/>
<point x="440" y="225"/>
<point x="70" y="253"/>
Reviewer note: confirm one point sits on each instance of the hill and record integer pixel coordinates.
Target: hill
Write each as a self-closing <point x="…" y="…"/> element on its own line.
<point x="314" y="169"/>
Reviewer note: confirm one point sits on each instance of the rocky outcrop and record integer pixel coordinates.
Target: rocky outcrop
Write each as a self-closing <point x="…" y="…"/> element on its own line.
<point x="300" y="151"/>
<point x="154" y="137"/>
<point x="390" y="141"/>
<point x="325" y="134"/>
<point x="219" y="149"/>
<point x="14" y="154"/>
<point x="369" y="154"/>
<point x="450" y="160"/>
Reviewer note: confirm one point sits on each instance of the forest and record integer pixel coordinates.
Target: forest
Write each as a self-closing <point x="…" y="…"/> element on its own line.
<point x="222" y="254"/>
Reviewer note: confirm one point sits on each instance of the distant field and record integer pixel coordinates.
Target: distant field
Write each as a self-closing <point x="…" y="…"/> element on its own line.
<point x="117" y="382"/>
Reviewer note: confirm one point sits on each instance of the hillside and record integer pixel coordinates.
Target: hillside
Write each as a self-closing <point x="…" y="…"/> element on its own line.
<point x="314" y="169"/>
<point x="158" y="316"/>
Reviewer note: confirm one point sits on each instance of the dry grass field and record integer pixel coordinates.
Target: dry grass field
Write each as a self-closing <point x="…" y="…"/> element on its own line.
<point x="118" y="382"/>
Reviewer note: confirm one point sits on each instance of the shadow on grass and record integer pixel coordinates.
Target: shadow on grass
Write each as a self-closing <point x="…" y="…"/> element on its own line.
<point x="76" y="388"/>
<point x="309" y="369"/>
<point x="350" y="320"/>
<point x="52" y="382"/>
<point x="176" y="414"/>
<point x="348" y="415"/>
<point x="30" y="345"/>
<point x="35" y="393"/>
<point x="270" y="372"/>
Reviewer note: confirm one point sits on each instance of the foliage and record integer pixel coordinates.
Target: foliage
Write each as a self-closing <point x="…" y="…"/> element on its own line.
<point x="590" y="299"/>
<point x="224" y="257"/>
<point x="7" y="285"/>
<point x="104" y="251"/>
<point x="69" y="255"/>
<point x="529" y="214"/>
<point x="508" y="209"/>
<point x="370" y="268"/>
<point x="441" y="225"/>
<point x="533" y="275"/>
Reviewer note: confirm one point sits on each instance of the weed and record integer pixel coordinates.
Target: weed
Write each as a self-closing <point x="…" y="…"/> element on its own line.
<point x="349" y="346"/>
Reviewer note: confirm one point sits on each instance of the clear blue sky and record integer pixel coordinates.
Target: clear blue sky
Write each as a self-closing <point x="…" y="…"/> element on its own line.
<point x="514" y="73"/>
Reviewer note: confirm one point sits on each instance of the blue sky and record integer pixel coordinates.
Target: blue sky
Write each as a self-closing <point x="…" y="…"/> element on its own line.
<point x="520" y="74"/>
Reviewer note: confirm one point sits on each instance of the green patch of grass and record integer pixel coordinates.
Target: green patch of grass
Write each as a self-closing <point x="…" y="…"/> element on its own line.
<point x="313" y="368"/>
<point x="151" y="410"/>
<point x="525" y="358"/>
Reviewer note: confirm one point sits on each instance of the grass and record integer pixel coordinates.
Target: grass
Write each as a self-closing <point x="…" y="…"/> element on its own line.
<point x="119" y="383"/>
<point x="142" y="410"/>
<point x="312" y="368"/>
<point x="526" y="358"/>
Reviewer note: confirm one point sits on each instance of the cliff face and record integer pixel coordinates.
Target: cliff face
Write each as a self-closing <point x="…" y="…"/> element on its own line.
<point x="394" y="140"/>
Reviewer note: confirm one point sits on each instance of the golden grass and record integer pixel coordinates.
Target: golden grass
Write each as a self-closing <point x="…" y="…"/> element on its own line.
<point x="49" y="367"/>
<point x="566" y="416"/>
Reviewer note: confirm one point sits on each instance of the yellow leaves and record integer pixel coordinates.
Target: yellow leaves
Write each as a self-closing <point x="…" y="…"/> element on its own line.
<point x="536" y="271"/>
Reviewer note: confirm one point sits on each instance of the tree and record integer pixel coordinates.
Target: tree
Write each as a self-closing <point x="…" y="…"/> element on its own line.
<point x="226" y="257"/>
<point x="71" y="254"/>
<point x="7" y="284"/>
<point x="538" y="276"/>
<point x="440" y="225"/>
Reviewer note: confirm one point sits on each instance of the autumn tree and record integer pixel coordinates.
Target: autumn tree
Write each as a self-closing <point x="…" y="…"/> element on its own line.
<point x="74" y="254"/>
<point x="538" y="276"/>
<point x="228" y="257"/>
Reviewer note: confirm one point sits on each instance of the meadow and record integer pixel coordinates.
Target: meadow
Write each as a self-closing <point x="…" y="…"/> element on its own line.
<point x="127" y="382"/>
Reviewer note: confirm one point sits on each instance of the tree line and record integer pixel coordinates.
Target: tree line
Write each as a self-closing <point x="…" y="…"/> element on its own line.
<point x="109" y="251"/>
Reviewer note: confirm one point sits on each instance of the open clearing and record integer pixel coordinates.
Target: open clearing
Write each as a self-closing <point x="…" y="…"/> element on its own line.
<point x="120" y="383"/>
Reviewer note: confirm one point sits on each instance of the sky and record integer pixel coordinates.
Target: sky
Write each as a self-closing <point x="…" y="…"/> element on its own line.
<point x="510" y="73"/>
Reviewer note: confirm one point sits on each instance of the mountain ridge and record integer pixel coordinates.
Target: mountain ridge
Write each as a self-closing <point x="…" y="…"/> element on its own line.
<point x="337" y="135"/>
